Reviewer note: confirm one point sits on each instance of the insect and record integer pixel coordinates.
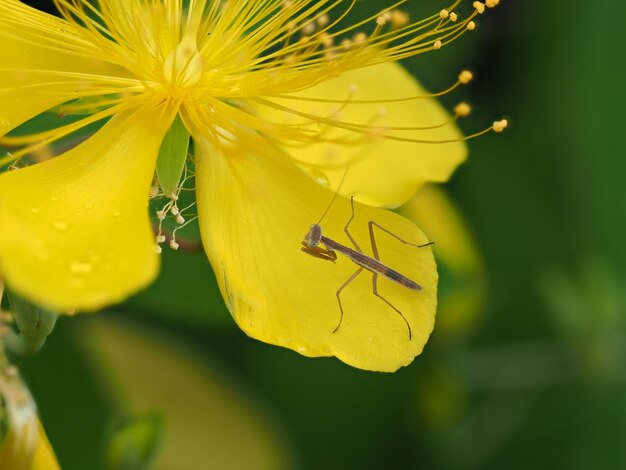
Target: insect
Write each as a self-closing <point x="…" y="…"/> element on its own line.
<point x="320" y="246"/>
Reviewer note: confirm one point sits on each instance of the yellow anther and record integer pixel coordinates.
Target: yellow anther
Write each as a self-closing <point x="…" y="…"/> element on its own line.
<point x="323" y="21"/>
<point x="360" y="38"/>
<point x="437" y="44"/>
<point x="462" y="109"/>
<point x="399" y="18"/>
<point x="492" y="3"/>
<point x="381" y="21"/>
<point x="453" y="17"/>
<point x="471" y="26"/>
<point x="479" y="7"/>
<point x="500" y="125"/>
<point x="309" y="28"/>
<point x="465" y="77"/>
<point x="443" y="14"/>
<point x="326" y="40"/>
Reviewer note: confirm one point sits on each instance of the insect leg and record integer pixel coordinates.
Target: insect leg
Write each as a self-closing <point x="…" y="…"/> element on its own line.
<point x="345" y="229"/>
<point x="373" y="224"/>
<point x="345" y="284"/>
<point x="375" y="290"/>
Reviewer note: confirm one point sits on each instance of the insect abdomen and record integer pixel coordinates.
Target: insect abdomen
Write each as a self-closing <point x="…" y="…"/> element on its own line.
<point x="371" y="264"/>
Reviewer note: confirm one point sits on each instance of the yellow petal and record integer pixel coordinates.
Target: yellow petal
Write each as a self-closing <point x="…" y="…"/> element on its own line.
<point x="255" y="211"/>
<point x="461" y="302"/>
<point x="384" y="172"/>
<point x="37" y="62"/>
<point x="44" y="458"/>
<point x="23" y="441"/>
<point x="75" y="230"/>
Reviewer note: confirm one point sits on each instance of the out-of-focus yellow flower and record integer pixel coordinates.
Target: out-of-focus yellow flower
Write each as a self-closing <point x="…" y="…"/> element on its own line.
<point x="458" y="258"/>
<point x="206" y="416"/>
<point x="23" y="442"/>
<point x="266" y="89"/>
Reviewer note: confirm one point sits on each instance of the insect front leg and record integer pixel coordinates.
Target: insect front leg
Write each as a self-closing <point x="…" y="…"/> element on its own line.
<point x="375" y="291"/>
<point x="345" y="229"/>
<point x="345" y="284"/>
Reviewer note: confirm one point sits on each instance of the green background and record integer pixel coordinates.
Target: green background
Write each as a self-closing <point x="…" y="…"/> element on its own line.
<point x="538" y="382"/>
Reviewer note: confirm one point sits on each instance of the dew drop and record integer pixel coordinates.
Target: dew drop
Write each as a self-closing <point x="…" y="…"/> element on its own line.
<point x="297" y="346"/>
<point x="117" y="213"/>
<point x="59" y="225"/>
<point x="34" y="210"/>
<point x="54" y="198"/>
<point x="88" y="205"/>
<point x="80" y="267"/>
<point x="319" y="177"/>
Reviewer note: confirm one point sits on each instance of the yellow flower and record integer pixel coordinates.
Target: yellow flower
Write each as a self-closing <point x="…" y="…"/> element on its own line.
<point x="23" y="442"/>
<point x="274" y="94"/>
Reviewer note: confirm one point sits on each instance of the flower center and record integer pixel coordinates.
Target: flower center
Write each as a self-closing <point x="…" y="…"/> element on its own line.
<point x="183" y="67"/>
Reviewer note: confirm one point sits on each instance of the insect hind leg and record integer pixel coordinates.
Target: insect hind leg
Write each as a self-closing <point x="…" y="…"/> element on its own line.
<point x="343" y="286"/>
<point x="375" y="291"/>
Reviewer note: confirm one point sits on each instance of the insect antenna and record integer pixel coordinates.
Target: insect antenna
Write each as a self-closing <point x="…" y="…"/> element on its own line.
<point x="343" y="179"/>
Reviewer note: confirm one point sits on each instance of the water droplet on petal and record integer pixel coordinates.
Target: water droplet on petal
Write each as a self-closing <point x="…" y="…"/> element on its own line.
<point x="34" y="210"/>
<point x="88" y="205"/>
<point x="79" y="267"/>
<point x="297" y="346"/>
<point x="54" y="198"/>
<point x="319" y="177"/>
<point x="59" y="225"/>
<point x="117" y="213"/>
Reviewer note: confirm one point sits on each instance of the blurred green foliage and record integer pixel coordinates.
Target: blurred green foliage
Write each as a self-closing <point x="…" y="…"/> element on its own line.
<point x="539" y="383"/>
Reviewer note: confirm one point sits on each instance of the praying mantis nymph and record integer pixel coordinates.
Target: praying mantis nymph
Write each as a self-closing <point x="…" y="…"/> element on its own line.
<point x="311" y="245"/>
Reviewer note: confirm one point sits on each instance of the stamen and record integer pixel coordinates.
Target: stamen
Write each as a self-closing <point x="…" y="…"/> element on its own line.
<point x="462" y="109"/>
<point x="479" y="7"/>
<point x="499" y="126"/>
<point x="465" y="77"/>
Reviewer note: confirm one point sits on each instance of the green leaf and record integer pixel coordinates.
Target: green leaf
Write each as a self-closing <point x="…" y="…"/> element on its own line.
<point x="172" y="156"/>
